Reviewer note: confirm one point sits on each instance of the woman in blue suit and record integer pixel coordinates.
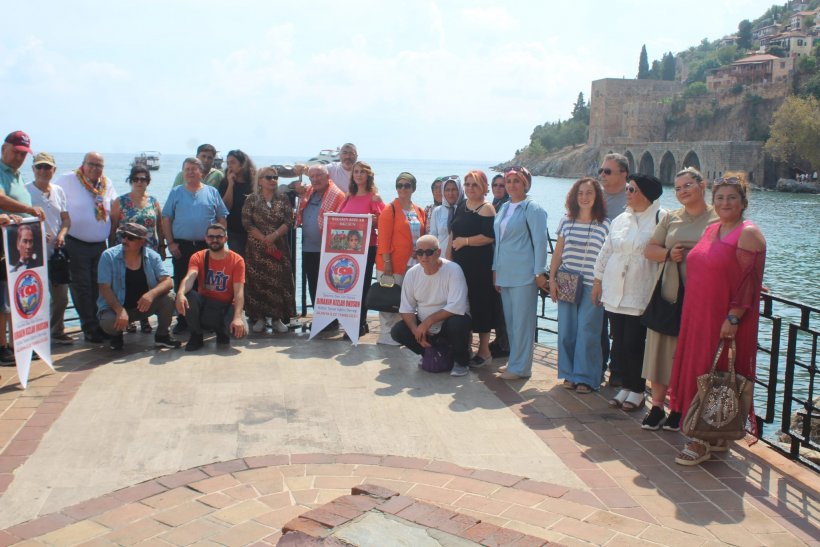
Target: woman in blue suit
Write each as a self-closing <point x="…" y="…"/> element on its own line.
<point x="520" y="268"/>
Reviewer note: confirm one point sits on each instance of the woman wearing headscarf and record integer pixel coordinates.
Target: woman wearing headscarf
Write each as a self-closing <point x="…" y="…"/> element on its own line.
<point x="441" y="218"/>
<point x="624" y="278"/>
<point x="520" y="268"/>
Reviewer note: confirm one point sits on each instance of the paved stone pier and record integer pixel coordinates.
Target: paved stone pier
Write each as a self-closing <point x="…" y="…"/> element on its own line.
<point x="225" y="448"/>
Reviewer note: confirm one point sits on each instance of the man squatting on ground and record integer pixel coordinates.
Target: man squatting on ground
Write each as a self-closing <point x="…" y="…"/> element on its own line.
<point x="434" y="308"/>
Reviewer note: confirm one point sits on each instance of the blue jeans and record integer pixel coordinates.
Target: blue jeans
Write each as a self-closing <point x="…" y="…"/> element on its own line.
<point x="579" y="340"/>
<point x="520" y="309"/>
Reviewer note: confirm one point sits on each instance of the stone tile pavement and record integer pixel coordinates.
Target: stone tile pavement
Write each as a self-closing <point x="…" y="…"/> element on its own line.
<point x="623" y="486"/>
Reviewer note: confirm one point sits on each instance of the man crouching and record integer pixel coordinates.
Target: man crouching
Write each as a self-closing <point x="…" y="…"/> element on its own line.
<point x="434" y="306"/>
<point x="134" y="285"/>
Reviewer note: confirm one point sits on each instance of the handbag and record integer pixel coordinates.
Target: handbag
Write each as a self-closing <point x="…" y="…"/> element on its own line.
<point x="58" y="272"/>
<point x="662" y="316"/>
<point x="437" y="359"/>
<point x="383" y="296"/>
<point x="720" y="407"/>
<point x="569" y="286"/>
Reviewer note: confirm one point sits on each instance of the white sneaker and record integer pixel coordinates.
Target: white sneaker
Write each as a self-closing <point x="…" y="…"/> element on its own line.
<point x="279" y="327"/>
<point x="459" y="370"/>
<point x="259" y="326"/>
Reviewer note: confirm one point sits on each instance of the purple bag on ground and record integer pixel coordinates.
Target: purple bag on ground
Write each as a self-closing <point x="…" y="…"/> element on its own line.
<point x="437" y="359"/>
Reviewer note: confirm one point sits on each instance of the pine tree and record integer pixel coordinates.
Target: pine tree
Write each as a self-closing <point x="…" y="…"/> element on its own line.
<point x="643" y="65"/>
<point x="744" y="34"/>
<point x="668" y="67"/>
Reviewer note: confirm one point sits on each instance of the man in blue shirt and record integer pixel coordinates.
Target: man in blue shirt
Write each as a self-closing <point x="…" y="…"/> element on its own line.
<point x="134" y="285"/>
<point x="187" y="213"/>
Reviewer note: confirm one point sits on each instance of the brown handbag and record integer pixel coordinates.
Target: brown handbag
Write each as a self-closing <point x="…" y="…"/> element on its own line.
<point x="720" y="407"/>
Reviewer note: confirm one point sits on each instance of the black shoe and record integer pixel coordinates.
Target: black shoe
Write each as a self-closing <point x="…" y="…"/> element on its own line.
<point x="654" y="419"/>
<point x="180" y="327"/>
<point x="94" y="337"/>
<point x="222" y="339"/>
<point x="496" y="350"/>
<point x="672" y="422"/>
<point x="165" y="341"/>
<point x="6" y="356"/>
<point x="195" y="342"/>
<point x="116" y="341"/>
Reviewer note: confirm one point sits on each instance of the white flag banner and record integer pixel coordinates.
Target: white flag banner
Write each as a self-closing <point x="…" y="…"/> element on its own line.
<point x="345" y="240"/>
<point x="28" y="294"/>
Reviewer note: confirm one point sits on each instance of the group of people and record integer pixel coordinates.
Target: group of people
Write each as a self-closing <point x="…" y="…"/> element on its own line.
<point x="471" y="263"/>
<point x="613" y="258"/>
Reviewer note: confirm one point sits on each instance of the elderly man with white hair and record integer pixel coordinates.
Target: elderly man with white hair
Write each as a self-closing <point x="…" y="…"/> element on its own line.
<point x="434" y="307"/>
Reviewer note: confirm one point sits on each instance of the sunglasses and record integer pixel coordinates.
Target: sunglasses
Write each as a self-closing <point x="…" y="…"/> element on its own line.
<point x="631" y="189"/>
<point x="130" y="237"/>
<point x="685" y="186"/>
<point x="140" y="179"/>
<point x="500" y="185"/>
<point x="605" y="171"/>
<point x="270" y="177"/>
<point x="403" y="186"/>
<point x="730" y="180"/>
<point x="43" y="166"/>
<point x="425" y="252"/>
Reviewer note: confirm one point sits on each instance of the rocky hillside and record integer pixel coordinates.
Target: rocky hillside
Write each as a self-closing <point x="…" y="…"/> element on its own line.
<point x="569" y="162"/>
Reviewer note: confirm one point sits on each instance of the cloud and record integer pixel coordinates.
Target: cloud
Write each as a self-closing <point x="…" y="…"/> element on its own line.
<point x="491" y="18"/>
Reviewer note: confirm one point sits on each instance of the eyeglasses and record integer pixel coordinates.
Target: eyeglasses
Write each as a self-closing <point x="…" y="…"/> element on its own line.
<point x="130" y="237"/>
<point x="215" y="236"/>
<point x="403" y="186"/>
<point x="425" y="252"/>
<point x="41" y="166"/>
<point x="685" y="186"/>
<point x="631" y="189"/>
<point x="605" y="171"/>
<point x="270" y="177"/>
<point x="140" y="179"/>
<point x="95" y="164"/>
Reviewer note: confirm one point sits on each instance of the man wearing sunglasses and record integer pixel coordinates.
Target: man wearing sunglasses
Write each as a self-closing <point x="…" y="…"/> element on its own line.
<point x="218" y="303"/>
<point x="134" y="285"/>
<point x="612" y="174"/>
<point x="434" y="308"/>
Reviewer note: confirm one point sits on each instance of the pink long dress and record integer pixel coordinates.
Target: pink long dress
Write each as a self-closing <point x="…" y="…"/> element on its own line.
<point x="719" y="276"/>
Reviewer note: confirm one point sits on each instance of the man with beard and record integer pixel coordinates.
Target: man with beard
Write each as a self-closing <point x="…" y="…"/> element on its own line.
<point x="218" y="303"/>
<point x="89" y="194"/>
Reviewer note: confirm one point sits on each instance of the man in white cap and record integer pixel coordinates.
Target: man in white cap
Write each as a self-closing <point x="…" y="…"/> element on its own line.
<point x="52" y="200"/>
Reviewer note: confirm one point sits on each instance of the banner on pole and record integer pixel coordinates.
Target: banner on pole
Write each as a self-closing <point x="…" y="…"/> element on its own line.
<point x="345" y="240"/>
<point x="28" y="295"/>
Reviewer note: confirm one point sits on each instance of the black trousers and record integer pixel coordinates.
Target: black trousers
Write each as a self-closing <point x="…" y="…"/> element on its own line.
<point x="310" y="265"/>
<point x="628" y="341"/>
<point x="605" y="346"/>
<point x="84" y="289"/>
<point x="368" y="280"/>
<point x="186" y="251"/>
<point x="455" y="333"/>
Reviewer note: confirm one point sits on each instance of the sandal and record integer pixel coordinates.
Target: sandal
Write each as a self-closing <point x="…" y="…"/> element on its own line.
<point x="619" y="399"/>
<point x="633" y="401"/>
<point x="569" y="385"/>
<point x="146" y="327"/>
<point x="693" y="453"/>
<point x="583" y="389"/>
<point x="719" y="446"/>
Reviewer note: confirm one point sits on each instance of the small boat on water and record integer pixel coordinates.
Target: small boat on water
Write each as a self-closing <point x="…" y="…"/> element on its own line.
<point x="149" y="160"/>
<point x="328" y="155"/>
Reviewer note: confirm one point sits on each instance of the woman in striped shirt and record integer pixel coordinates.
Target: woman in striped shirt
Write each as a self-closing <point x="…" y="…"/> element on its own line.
<point x="581" y="234"/>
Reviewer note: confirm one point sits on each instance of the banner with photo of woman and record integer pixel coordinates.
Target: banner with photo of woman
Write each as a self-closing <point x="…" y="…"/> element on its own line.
<point x="345" y="240"/>
<point x="27" y="292"/>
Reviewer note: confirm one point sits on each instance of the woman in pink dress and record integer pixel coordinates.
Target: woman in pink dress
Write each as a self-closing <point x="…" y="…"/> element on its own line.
<point x="363" y="198"/>
<point x="724" y="278"/>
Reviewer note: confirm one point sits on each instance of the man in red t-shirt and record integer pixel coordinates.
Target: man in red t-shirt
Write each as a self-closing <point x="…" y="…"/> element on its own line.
<point x="219" y="302"/>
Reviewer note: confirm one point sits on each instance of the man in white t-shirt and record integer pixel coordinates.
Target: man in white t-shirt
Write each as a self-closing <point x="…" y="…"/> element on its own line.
<point x="339" y="171"/>
<point x="434" y="308"/>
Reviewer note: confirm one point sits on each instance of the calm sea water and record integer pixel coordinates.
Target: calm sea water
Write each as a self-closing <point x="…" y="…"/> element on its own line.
<point x="788" y="221"/>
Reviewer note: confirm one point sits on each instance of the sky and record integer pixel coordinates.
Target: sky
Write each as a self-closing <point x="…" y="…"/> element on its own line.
<point x="417" y="79"/>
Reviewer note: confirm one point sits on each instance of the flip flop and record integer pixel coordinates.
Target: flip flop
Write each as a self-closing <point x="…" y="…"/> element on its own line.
<point x="583" y="389"/>
<point x="569" y="385"/>
<point x="691" y="457"/>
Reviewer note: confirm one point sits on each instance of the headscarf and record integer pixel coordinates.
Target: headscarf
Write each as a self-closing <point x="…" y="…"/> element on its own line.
<point x="451" y="209"/>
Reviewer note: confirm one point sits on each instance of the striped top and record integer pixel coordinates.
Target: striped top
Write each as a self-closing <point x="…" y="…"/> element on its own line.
<point x="582" y="243"/>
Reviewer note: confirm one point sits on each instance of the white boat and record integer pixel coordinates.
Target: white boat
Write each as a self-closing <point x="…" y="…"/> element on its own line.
<point x="149" y="160"/>
<point x="328" y="155"/>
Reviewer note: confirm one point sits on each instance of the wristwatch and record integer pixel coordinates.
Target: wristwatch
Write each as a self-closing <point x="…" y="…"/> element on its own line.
<point x="733" y="319"/>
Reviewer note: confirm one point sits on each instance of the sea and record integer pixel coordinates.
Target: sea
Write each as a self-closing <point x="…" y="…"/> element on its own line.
<point x="788" y="221"/>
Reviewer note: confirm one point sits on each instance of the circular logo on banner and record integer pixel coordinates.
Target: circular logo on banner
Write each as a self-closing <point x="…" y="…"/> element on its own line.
<point x="28" y="294"/>
<point x="342" y="273"/>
